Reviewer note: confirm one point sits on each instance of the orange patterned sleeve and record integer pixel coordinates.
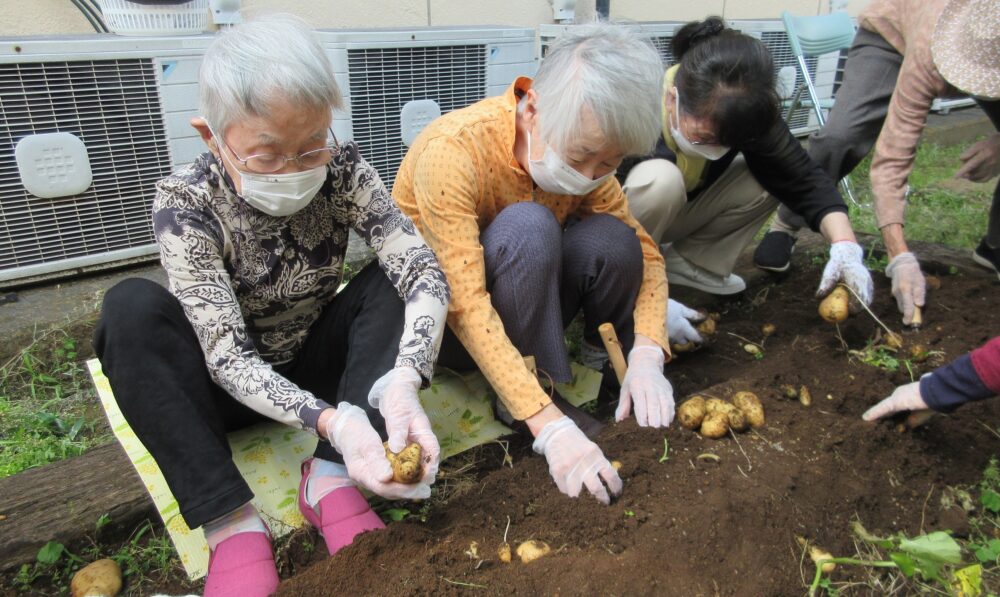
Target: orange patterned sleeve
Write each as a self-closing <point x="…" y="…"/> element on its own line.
<point x="446" y="187"/>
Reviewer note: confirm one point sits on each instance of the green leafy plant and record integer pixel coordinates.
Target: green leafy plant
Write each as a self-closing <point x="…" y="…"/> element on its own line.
<point x="928" y="557"/>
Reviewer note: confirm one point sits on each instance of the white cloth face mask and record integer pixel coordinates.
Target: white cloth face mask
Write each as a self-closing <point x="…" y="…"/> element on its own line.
<point x="703" y="150"/>
<point x="553" y="175"/>
<point x="282" y="194"/>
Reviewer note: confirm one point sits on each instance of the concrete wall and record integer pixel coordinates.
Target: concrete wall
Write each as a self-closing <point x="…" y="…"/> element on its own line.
<point x="48" y="17"/>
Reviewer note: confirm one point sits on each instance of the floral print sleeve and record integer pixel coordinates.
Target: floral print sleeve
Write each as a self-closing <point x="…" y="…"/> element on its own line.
<point x="252" y="284"/>
<point x="404" y="256"/>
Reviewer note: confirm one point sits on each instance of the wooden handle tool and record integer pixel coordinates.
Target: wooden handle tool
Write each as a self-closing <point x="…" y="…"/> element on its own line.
<point x="614" y="348"/>
<point x="918" y="318"/>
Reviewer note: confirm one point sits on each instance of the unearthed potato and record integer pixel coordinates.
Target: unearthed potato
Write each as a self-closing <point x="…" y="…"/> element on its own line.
<point x="102" y="578"/>
<point x="714" y="316"/>
<point x="919" y="353"/>
<point x="686" y="347"/>
<point x="893" y="340"/>
<point x="805" y="398"/>
<point x="531" y="550"/>
<point x="738" y="420"/>
<point x="406" y="466"/>
<point x="715" y="425"/>
<point x="504" y="552"/>
<point x="768" y="329"/>
<point x="933" y="282"/>
<point x="616" y="464"/>
<point x="713" y="405"/>
<point x="707" y="327"/>
<point x="752" y="349"/>
<point x="817" y="555"/>
<point x="834" y="308"/>
<point x="750" y="405"/>
<point x="692" y="412"/>
<point x="789" y="391"/>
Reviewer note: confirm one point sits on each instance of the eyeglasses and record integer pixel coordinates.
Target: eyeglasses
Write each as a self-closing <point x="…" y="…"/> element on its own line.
<point x="269" y="163"/>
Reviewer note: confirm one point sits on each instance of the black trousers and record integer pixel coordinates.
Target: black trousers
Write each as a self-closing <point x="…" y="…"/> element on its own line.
<point x="156" y="367"/>
<point x="540" y="275"/>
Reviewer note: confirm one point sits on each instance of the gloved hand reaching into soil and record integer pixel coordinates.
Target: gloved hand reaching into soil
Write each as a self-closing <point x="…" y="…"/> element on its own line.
<point x="351" y="433"/>
<point x="576" y="462"/>
<point x="680" y="323"/>
<point x="646" y="389"/>
<point x="908" y="284"/>
<point x="903" y="398"/>
<point x="395" y="396"/>
<point x="847" y="265"/>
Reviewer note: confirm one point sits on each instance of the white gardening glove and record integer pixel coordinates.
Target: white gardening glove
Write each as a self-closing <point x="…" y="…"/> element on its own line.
<point x="395" y="396"/>
<point x="575" y="461"/>
<point x="903" y="398"/>
<point x="679" y="323"/>
<point x="351" y="433"/>
<point x="847" y="265"/>
<point x="646" y="387"/>
<point x="981" y="162"/>
<point x="908" y="284"/>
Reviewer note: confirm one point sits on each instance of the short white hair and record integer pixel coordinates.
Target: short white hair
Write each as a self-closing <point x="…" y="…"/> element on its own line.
<point x="250" y="66"/>
<point x="611" y="69"/>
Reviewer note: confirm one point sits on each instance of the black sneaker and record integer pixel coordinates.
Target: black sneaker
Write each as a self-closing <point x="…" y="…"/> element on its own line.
<point x="987" y="257"/>
<point x="774" y="253"/>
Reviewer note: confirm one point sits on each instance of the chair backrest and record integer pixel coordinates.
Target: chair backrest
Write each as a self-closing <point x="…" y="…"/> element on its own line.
<point x="818" y="35"/>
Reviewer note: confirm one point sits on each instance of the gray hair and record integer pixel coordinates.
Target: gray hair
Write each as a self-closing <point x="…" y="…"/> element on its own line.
<point x="248" y="67"/>
<point x="611" y="69"/>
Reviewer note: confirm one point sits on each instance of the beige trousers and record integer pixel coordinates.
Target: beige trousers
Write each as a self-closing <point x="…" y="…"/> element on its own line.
<point x="710" y="231"/>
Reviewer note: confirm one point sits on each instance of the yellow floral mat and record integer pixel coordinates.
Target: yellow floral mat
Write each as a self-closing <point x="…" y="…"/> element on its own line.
<point x="269" y="454"/>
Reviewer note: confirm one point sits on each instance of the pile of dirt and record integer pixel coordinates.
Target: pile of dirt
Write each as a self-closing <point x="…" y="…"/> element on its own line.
<point x="697" y="526"/>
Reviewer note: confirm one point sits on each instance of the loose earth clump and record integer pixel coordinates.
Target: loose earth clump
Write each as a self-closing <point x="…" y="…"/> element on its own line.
<point x="737" y="516"/>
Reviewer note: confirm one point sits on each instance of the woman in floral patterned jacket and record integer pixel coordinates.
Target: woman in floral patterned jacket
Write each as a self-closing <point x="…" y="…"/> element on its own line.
<point x="253" y="236"/>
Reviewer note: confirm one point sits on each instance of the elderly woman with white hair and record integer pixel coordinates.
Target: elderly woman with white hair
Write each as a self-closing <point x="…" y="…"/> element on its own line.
<point x="516" y="194"/>
<point x="253" y="236"/>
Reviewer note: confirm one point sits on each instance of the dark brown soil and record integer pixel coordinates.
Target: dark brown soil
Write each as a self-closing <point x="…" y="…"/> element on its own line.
<point x="691" y="526"/>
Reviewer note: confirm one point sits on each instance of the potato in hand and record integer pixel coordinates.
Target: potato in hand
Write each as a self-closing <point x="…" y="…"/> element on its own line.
<point x="406" y="467"/>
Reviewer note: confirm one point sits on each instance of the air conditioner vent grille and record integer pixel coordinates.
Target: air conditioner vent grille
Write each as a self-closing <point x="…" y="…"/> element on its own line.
<point x="113" y="106"/>
<point x="383" y="80"/>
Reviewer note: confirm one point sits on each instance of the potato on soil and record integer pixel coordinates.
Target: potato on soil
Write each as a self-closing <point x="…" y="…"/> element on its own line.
<point x="406" y="466"/>
<point x="817" y="555"/>
<point x="103" y="578"/>
<point x="789" y="391"/>
<point x="686" y="347"/>
<point x="805" y="397"/>
<point x="707" y="327"/>
<point x="715" y="425"/>
<point x="715" y="316"/>
<point x="752" y="349"/>
<point x="504" y="552"/>
<point x="713" y="405"/>
<point x="893" y="340"/>
<point x="933" y="282"/>
<point x="834" y="308"/>
<point x="750" y="405"/>
<point x="531" y="550"/>
<point x="768" y="329"/>
<point x="692" y="412"/>
<point x="738" y="421"/>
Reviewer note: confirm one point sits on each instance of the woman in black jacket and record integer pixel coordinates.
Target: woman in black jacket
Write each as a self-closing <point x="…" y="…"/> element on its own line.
<point x="725" y="161"/>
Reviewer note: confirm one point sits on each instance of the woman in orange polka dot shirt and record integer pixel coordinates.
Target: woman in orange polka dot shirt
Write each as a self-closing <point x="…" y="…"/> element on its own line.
<point x="517" y="196"/>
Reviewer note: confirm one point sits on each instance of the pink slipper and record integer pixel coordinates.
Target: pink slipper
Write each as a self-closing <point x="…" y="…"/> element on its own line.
<point x="242" y="566"/>
<point x="343" y="514"/>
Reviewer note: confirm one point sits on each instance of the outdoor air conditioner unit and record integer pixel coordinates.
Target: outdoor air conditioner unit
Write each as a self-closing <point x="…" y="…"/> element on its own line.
<point x="380" y="71"/>
<point x="129" y="101"/>
<point x="770" y="31"/>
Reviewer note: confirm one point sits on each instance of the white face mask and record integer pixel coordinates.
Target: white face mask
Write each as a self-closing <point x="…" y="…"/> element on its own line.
<point x="280" y="194"/>
<point x="553" y="175"/>
<point x="704" y="150"/>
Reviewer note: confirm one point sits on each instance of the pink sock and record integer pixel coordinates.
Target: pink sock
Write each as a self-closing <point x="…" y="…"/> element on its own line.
<point x="241" y="520"/>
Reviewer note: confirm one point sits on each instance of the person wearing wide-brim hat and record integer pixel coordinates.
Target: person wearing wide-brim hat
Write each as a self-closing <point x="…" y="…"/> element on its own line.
<point x="906" y="54"/>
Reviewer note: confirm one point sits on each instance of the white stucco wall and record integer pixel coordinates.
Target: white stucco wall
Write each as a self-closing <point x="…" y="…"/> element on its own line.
<point x="48" y="17"/>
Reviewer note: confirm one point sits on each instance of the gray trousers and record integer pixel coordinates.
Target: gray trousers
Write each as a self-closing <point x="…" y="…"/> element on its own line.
<point x="539" y="275"/>
<point x="855" y="121"/>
